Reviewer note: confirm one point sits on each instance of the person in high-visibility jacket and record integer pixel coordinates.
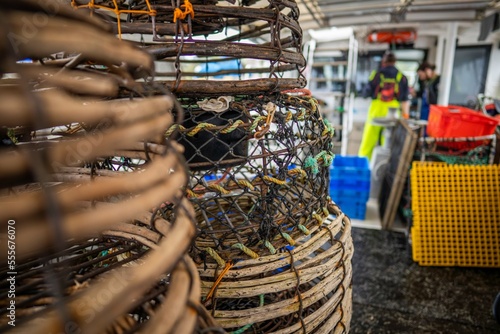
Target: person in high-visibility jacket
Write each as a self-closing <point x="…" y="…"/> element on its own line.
<point x="389" y="89"/>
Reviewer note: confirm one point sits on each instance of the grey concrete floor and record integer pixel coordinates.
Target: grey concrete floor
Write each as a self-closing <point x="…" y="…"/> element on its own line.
<point x="392" y="294"/>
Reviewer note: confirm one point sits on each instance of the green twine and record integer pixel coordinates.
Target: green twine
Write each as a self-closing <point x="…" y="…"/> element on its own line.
<point x="326" y="157"/>
<point x="303" y="229"/>
<point x="244" y="328"/>
<point x="269" y="246"/>
<point x="330" y="130"/>
<point x="313" y="164"/>
<point x="256" y="122"/>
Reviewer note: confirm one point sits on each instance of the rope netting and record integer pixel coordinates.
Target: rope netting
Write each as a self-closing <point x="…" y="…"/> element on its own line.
<point x="463" y="151"/>
<point x="259" y="172"/>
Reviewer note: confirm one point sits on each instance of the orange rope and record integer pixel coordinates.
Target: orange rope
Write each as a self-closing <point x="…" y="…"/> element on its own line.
<point x="229" y="265"/>
<point x="91" y="5"/>
<point x="188" y="10"/>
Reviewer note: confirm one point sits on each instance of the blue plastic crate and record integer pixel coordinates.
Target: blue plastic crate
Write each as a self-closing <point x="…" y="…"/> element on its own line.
<point x="350" y="167"/>
<point x="350" y="184"/>
<point x="354" y="210"/>
<point x="351" y="194"/>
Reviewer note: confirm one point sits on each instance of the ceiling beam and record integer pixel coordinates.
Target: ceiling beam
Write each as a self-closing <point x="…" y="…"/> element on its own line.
<point x="363" y="6"/>
<point x="410" y="10"/>
<point x="411" y="17"/>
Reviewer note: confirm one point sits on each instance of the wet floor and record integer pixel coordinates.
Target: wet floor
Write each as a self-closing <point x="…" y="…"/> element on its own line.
<point x="392" y="294"/>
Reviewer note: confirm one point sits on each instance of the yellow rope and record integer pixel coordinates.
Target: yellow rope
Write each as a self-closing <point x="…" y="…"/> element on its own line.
<point x="245" y="183"/>
<point x="190" y="193"/>
<point x="200" y="127"/>
<point x="215" y="256"/>
<point x="326" y="212"/>
<point x="173" y="128"/>
<point x="270" y="247"/>
<point x="304" y="229"/>
<point x="301" y="115"/>
<point x="256" y="122"/>
<point x="297" y="171"/>
<point x="318" y="218"/>
<point x="246" y="250"/>
<point x="288" y="238"/>
<point x="232" y="127"/>
<point x="219" y="188"/>
<point x="314" y="104"/>
<point x="289" y="116"/>
<point x="274" y="180"/>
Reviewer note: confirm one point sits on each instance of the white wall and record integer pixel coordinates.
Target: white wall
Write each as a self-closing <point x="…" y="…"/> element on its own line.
<point x="493" y="78"/>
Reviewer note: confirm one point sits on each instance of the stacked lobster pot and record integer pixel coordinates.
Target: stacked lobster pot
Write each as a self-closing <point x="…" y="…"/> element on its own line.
<point x="272" y="250"/>
<point x="84" y="170"/>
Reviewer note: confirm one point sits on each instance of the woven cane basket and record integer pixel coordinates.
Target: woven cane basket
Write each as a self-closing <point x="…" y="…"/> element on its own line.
<point x="301" y="289"/>
<point x="82" y="175"/>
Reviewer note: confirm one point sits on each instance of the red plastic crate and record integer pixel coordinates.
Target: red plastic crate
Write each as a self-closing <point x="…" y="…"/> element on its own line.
<point x="456" y="122"/>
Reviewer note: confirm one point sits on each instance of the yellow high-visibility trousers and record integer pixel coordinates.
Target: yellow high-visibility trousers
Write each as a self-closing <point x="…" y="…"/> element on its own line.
<point x="372" y="133"/>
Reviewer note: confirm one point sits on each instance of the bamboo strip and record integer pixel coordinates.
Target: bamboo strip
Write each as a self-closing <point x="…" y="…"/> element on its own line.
<point x="131" y="183"/>
<point x="138" y="281"/>
<point x="79" y="82"/>
<point x="59" y="34"/>
<point x="82" y="225"/>
<point x="55" y="104"/>
<point x="76" y="152"/>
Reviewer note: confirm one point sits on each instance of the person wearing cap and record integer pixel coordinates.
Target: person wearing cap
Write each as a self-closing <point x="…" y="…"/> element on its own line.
<point x="389" y="89"/>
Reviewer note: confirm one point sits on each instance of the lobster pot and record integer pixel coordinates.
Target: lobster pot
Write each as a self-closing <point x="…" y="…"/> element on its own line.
<point x="259" y="174"/>
<point x="305" y="288"/>
<point x="81" y="176"/>
<point x="109" y="283"/>
<point x="256" y="48"/>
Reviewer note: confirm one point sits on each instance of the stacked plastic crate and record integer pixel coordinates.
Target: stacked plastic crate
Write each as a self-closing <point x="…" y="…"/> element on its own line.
<point x="350" y="184"/>
<point x="456" y="215"/>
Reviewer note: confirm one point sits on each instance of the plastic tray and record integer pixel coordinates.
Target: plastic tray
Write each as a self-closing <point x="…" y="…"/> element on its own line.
<point x="459" y="122"/>
<point x="350" y="184"/>
<point x="354" y="210"/>
<point x="352" y="194"/>
<point x="344" y="167"/>
<point x="456" y="215"/>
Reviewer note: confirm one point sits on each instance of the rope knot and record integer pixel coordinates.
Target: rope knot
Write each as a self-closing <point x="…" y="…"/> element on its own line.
<point x="188" y="10"/>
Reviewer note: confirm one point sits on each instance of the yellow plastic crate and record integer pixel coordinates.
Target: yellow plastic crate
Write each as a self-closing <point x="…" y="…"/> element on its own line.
<point x="456" y="214"/>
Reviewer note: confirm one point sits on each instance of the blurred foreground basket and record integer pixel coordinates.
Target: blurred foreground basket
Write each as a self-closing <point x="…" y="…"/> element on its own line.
<point x="84" y="166"/>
